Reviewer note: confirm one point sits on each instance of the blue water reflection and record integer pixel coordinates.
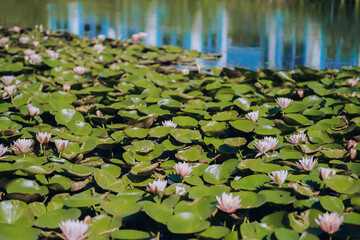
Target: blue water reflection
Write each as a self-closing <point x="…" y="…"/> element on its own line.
<point x="252" y="34"/>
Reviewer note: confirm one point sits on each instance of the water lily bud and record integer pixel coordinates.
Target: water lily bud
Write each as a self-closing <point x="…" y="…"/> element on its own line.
<point x="43" y="137"/>
<point x="61" y="145"/>
<point x="351" y="144"/>
<point x="353" y="153"/>
<point x="300" y="93"/>
<point x="66" y="87"/>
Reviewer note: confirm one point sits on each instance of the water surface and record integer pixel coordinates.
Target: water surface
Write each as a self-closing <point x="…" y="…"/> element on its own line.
<point x="248" y="33"/>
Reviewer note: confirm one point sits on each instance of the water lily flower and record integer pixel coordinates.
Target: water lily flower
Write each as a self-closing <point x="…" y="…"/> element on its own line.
<point x="279" y="176"/>
<point x="66" y="87"/>
<point x="353" y="153"/>
<point x="169" y="123"/>
<point x="307" y="163"/>
<point x="51" y="54"/>
<point x="265" y="145"/>
<point x="326" y="172"/>
<point x="22" y="145"/>
<point x="7" y="47"/>
<point x="157" y="186"/>
<point x="28" y="53"/>
<point x="3" y="150"/>
<point x="300" y="93"/>
<point x="4" y="40"/>
<point x="7" y="80"/>
<point x="99" y="48"/>
<point x="185" y="71"/>
<point x="61" y="145"/>
<point x="33" y="111"/>
<point x="135" y="37"/>
<point x="16" y="29"/>
<point x="330" y="222"/>
<point x="142" y="35"/>
<point x="35" y="58"/>
<point x="24" y="40"/>
<point x="253" y="116"/>
<point x="183" y="169"/>
<point x="351" y="144"/>
<point x="351" y="82"/>
<point x="283" y="102"/>
<point x="35" y="43"/>
<point x="75" y="229"/>
<point x="79" y="70"/>
<point x="296" y="138"/>
<point x="10" y="90"/>
<point x="43" y="137"/>
<point x="101" y="37"/>
<point x="180" y="190"/>
<point x="227" y="203"/>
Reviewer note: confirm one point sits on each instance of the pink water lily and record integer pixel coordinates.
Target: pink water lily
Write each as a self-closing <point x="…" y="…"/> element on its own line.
<point x="185" y="71"/>
<point x="4" y="40"/>
<point x="99" y="48"/>
<point x="296" y="138"/>
<point x="169" y="123"/>
<point x="79" y="70"/>
<point x="326" y="172"/>
<point x="24" y="40"/>
<point x="43" y="137"/>
<point x="253" y="116"/>
<point x="29" y="52"/>
<point x="353" y="153"/>
<point x="33" y="111"/>
<point x="3" y="150"/>
<point x="35" y="58"/>
<point x="283" y="102"/>
<point x="307" y="163"/>
<point x="157" y="186"/>
<point x="61" y="145"/>
<point x="330" y="222"/>
<point x="35" y="43"/>
<point x="279" y="176"/>
<point x="75" y="229"/>
<point x="7" y="80"/>
<point x="22" y="145"/>
<point x="351" y="82"/>
<point x="227" y="203"/>
<point x="183" y="169"/>
<point x="16" y="29"/>
<point x="51" y="54"/>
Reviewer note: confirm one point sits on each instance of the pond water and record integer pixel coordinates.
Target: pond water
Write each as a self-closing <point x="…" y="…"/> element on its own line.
<point x="278" y="34"/>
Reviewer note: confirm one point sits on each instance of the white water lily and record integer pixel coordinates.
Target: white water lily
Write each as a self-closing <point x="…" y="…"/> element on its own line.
<point x="279" y="176"/>
<point x="330" y="222"/>
<point x="227" y="203"/>
<point x="75" y="229"/>
<point x="326" y="172"/>
<point x="22" y="145"/>
<point x="253" y="116"/>
<point x="183" y="169"/>
<point x="99" y="48"/>
<point x="185" y="71"/>
<point x="4" y="40"/>
<point x="296" y="138"/>
<point x="265" y="145"/>
<point x="307" y="163"/>
<point x="169" y="123"/>
<point x="43" y="137"/>
<point x="51" y="54"/>
<point x="283" y="102"/>
<point x="157" y="186"/>
<point x="180" y="190"/>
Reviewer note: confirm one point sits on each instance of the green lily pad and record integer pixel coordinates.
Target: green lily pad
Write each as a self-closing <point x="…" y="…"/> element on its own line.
<point x="130" y="234"/>
<point x="191" y="154"/>
<point x="186" y="223"/>
<point x="52" y="219"/>
<point x="16" y="213"/>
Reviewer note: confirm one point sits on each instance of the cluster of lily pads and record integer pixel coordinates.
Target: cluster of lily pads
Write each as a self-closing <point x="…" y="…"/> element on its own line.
<point x="104" y="138"/>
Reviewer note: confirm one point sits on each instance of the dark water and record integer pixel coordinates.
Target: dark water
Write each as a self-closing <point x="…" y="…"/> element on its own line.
<point x="248" y="33"/>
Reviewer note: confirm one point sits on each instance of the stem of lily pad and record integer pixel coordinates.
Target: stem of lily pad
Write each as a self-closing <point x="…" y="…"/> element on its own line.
<point x="59" y="154"/>
<point x="233" y="228"/>
<point x="158" y="235"/>
<point x="225" y="222"/>
<point x="330" y="237"/>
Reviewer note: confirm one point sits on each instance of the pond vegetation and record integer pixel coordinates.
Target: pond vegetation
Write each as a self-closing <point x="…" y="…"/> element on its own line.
<point x="139" y="142"/>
